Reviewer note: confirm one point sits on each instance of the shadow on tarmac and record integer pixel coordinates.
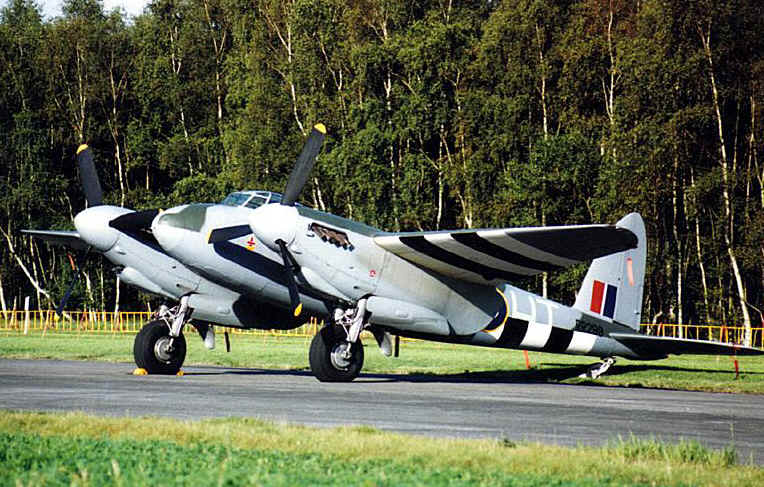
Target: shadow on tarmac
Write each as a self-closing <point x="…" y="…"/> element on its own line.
<point x="549" y="373"/>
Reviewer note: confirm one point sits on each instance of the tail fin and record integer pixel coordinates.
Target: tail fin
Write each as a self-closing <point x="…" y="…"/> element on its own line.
<point x="612" y="288"/>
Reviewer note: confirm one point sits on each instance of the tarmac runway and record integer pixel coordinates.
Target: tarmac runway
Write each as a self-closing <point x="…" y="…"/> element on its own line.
<point x="427" y="405"/>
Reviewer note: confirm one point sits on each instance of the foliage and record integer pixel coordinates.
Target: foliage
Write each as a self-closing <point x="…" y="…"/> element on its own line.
<point x="79" y="449"/>
<point x="440" y="115"/>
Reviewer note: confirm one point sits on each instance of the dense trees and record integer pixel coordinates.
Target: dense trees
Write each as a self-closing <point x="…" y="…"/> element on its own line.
<point x="441" y="114"/>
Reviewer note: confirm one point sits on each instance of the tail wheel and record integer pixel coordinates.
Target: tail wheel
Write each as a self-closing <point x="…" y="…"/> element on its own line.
<point x="334" y="359"/>
<point x="157" y="352"/>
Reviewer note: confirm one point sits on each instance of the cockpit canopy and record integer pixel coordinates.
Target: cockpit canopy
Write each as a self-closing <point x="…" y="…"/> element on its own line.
<point x="251" y="199"/>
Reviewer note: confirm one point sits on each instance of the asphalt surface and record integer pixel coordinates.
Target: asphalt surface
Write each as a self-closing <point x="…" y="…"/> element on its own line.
<point x="427" y="405"/>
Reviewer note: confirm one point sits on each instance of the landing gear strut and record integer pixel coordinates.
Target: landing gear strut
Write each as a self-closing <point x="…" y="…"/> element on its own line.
<point x="598" y="369"/>
<point x="336" y="353"/>
<point x="160" y="347"/>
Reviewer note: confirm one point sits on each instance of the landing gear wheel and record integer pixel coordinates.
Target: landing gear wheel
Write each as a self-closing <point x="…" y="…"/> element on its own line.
<point x="153" y="352"/>
<point x="329" y="358"/>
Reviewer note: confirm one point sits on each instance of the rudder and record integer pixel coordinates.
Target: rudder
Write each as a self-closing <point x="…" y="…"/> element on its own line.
<point x="614" y="284"/>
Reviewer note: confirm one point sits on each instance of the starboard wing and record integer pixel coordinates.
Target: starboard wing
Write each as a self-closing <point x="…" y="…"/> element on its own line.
<point x="647" y="345"/>
<point x="68" y="238"/>
<point x="507" y="254"/>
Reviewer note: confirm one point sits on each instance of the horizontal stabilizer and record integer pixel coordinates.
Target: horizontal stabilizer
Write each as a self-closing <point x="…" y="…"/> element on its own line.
<point x="650" y="346"/>
<point x="68" y="238"/>
<point x="506" y="254"/>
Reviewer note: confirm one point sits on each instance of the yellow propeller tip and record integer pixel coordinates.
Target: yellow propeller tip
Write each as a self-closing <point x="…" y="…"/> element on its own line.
<point x="209" y="236"/>
<point x="298" y="310"/>
<point x="321" y="128"/>
<point x="81" y="148"/>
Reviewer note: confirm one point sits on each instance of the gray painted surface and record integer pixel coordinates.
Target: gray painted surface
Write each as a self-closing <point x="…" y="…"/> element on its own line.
<point x="428" y="405"/>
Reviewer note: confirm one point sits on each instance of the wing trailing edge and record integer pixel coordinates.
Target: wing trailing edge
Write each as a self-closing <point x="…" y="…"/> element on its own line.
<point x="499" y="255"/>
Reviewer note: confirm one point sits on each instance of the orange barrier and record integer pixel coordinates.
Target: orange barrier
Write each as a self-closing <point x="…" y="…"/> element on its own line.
<point x="715" y="333"/>
<point x="109" y="322"/>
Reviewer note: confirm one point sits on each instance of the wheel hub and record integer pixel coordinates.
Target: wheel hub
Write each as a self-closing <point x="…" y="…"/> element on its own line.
<point x="341" y="356"/>
<point x="163" y="349"/>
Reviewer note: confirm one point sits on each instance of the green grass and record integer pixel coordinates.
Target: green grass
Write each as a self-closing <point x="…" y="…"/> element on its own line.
<point x="706" y="373"/>
<point x="76" y="449"/>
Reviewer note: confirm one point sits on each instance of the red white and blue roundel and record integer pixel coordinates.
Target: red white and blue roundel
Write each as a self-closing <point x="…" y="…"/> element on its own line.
<point x="603" y="298"/>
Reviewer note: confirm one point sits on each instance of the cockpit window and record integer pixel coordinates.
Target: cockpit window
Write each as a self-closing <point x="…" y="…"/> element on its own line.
<point x="257" y="201"/>
<point x="251" y="199"/>
<point x="235" y="199"/>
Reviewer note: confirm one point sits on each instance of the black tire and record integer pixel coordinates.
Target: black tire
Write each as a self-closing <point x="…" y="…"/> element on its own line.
<point x="147" y="349"/>
<point x="323" y="367"/>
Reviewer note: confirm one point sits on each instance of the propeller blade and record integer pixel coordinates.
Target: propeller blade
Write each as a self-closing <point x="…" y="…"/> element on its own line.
<point x="290" y="264"/>
<point x="304" y="165"/>
<point x="137" y="220"/>
<point x="88" y="176"/>
<point x="228" y="233"/>
<point x="65" y="299"/>
<point x="72" y="283"/>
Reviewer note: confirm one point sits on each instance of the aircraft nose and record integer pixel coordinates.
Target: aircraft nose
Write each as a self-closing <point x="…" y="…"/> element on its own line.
<point x="93" y="226"/>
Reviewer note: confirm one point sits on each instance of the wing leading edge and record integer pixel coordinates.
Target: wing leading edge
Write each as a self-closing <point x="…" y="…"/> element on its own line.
<point x="500" y="255"/>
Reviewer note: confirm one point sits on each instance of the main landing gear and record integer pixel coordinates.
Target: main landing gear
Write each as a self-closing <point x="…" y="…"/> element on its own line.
<point x="160" y="347"/>
<point x="336" y="353"/>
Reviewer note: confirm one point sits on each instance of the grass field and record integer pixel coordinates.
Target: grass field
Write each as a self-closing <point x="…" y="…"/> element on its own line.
<point x="707" y="373"/>
<point x="75" y="449"/>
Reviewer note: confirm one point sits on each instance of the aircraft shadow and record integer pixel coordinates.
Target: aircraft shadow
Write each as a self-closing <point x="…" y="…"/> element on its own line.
<point x="549" y="373"/>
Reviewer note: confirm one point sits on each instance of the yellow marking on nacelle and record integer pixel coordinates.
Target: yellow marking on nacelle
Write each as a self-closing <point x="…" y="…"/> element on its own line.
<point x="81" y="148"/>
<point x="506" y="315"/>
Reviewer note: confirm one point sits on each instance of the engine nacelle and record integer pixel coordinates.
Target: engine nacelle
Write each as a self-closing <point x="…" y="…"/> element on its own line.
<point x="406" y="316"/>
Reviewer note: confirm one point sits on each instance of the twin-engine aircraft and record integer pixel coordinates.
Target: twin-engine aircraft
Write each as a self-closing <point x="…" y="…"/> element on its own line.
<point x="260" y="259"/>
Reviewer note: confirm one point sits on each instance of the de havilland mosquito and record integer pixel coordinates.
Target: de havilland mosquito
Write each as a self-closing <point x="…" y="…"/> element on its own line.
<point x="260" y="259"/>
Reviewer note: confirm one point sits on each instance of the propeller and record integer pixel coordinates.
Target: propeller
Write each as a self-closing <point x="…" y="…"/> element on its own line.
<point x="304" y="165"/>
<point x="91" y="223"/>
<point x="73" y="282"/>
<point x="291" y="266"/>
<point x="91" y="186"/>
<point x="88" y="176"/>
<point x="297" y="180"/>
<point x="274" y="225"/>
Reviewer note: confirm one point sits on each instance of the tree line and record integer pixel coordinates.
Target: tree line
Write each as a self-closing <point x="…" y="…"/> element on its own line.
<point x="441" y="114"/>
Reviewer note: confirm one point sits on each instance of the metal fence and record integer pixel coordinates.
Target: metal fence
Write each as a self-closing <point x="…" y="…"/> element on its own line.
<point x="132" y="321"/>
<point x="109" y="322"/>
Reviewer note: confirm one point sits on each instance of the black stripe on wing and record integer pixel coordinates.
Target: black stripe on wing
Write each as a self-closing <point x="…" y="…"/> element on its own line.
<point x="421" y="245"/>
<point x="476" y="242"/>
